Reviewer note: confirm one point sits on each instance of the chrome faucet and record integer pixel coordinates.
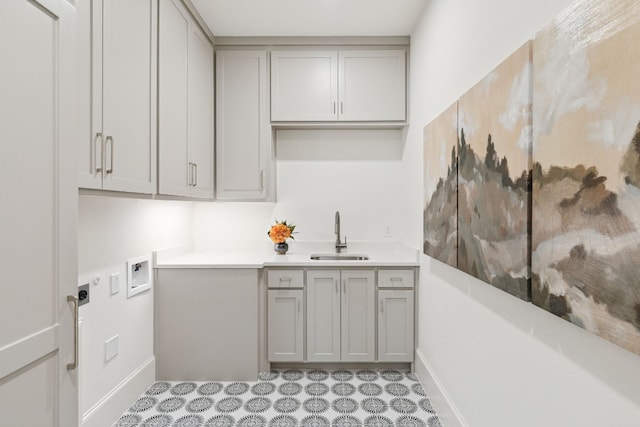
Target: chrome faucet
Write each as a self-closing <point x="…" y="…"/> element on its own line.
<point x="339" y="244"/>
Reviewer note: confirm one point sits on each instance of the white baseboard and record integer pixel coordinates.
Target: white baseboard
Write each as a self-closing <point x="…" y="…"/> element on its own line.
<point x="108" y="409"/>
<point x="446" y="410"/>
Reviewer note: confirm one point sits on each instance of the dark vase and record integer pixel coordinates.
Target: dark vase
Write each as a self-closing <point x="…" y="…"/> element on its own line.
<point x="281" y="248"/>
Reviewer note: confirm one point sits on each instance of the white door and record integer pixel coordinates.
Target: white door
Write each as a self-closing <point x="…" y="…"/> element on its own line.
<point x="358" y="316"/>
<point x="395" y="325"/>
<point x="372" y="85"/>
<point x="128" y="93"/>
<point x="242" y="125"/>
<point x="201" y="118"/>
<point x="323" y="316"/>
<point x="304" y="85"/>
<point x="38" y="218"/>
<point x="285" y="320"/>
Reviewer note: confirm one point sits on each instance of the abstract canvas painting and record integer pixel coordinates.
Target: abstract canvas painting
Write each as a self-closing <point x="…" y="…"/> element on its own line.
<point x="440" y="187"/>
<point x="586" y="175"/>
<point x="494" y="169"/>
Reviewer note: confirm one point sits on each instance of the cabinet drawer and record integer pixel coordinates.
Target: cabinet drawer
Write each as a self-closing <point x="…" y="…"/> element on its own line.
<point x="395" y="278"/>
<point x="285" y="278"/>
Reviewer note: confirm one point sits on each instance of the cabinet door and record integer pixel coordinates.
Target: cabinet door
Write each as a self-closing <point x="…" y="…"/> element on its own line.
<point x="323" y="316"/>
<point x="395" y="326"/>
<point x="358" y="316"/>
<point x="128" y="94"/>
<point x="173" y="78"/>
<point x="86" y="140"/>
<point x="243" y="135"/>
<point x="201" y="113"/>
<point x="372" y="85"/>
<point x="304" y="85"/>
<point x="284" y="325"/>
<point x="206" y="324"/>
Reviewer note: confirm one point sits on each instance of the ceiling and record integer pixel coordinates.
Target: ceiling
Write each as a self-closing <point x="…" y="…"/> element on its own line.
<point x="272" y="18"/>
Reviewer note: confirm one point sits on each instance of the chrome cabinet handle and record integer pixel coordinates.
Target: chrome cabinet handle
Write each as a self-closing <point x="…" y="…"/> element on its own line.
<point x="299" y="306"/>
<point x="334" y="107"/>
<point x="261" y="180"/>
<point x="344" y="286"/>
<point x="286" y="279"/>
<point x="341" y="107"/>
<point x="74" y="299"/>
<point x="108" y="140"/>
<point x="192" y="174"/>
<point x="336" y="282"/>
<point x="382" y="306"/>
<point x="195" y="174"/>
<point x="395" y="279"/>
<point x="98" y="169"/>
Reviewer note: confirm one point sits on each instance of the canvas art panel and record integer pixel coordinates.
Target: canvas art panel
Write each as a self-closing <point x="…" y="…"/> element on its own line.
<point x="494" y="164"/>
<point x="586" y="180"/>
<point x="440" y="208"/>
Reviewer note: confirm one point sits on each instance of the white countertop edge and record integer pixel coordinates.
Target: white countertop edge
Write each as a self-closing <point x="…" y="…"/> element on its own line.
<point x="380" y="255"/>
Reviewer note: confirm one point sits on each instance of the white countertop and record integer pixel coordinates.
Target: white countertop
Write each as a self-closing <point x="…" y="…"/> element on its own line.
<point x="381" y="254"/>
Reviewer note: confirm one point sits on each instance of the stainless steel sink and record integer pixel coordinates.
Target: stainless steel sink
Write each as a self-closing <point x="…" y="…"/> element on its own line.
<point x="339" y="257"/>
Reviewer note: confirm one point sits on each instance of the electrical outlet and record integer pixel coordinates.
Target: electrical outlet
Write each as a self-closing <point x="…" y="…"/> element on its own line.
<point x="111" y="348"/>
<point x="388" y="232"/>
<point x="115" y="283"/>
<point x="83" y="294"/>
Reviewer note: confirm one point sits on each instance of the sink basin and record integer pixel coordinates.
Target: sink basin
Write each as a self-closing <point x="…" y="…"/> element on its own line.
<point x="339" y="257"/>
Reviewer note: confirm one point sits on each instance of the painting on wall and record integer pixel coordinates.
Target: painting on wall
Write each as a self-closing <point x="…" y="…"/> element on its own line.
<point x="586" y="175"/>
<point x="440" y="187"/>
<point x="494" y="176"/>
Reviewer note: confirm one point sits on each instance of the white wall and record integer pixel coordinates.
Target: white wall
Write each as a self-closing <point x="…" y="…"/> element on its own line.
<point x="500" y="361"/>
<point x="318" y="173"/>
<point x="110" y="232"/>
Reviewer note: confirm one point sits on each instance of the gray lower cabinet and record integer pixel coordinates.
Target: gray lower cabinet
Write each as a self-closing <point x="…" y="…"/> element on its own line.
<point x="323" y="316"/>
<point x="285" y="325"/>
<point x="206" y="324"/>
<point x="340" y="316"/>
<point x="395" y="325"/>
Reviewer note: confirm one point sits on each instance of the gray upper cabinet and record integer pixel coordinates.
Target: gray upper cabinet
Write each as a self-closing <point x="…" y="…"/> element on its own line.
<point x="304" y="85"/>
<point x="120" y="154"/>
<point x="185" y="105"/>
<point x="243" y="133"/>
<point x="361" y="85"/>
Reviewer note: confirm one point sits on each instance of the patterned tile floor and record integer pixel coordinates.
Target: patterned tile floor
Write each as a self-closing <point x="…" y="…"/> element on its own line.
<point x="288" y="398"/>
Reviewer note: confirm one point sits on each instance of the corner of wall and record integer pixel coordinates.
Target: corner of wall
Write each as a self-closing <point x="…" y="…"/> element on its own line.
<point x="442" y="403"/>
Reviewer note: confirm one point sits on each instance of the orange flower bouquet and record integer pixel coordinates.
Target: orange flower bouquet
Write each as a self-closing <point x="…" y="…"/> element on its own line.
<point x="279" y="233"/>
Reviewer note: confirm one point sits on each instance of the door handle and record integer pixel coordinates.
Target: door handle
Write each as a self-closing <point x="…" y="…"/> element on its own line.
<point x="299" y="306"/>
<point x="97" y="169"/>
<point x="381" y="306"/>
<point x="336" y="282"/>
<point x="109" y="140"/>
<point x="74" y="299"/>
<point x="195" y="174"/>
<point x="192" y="174"/>
<point x="344" y="286"/>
